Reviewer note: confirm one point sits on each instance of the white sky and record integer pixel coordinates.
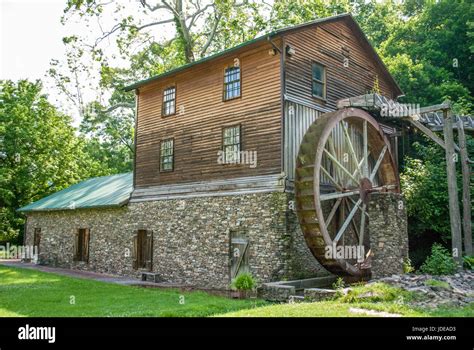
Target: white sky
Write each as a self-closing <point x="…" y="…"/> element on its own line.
<point x="30" y="36"/>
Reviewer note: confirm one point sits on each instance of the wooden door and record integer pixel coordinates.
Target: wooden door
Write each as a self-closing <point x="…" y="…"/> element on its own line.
<point x="239" y="253"/>
<point x="143" y="250"/>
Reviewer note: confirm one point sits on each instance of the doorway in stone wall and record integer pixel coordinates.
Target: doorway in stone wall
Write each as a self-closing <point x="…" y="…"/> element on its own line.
<point x="143" y="250"/>
<point x="239" y="253"/>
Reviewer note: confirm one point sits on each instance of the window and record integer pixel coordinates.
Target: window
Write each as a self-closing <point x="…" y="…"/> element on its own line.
<point x="231" y="144"/>
<point x="166" y="155"/>
<point x="231" y="83"/>
<point x="319" y="81"/>
<point x="169" y="101"/>
<point x="81" y="249"/>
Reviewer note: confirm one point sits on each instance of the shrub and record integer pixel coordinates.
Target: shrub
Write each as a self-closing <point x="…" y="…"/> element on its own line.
<point x="439" y="262"/>
<point x="339" y="284"/>
<point x="376" y="292"/>
<point x="244" y="281"/>
<point x="407" y="266"/>
<point x="468" y="262"/>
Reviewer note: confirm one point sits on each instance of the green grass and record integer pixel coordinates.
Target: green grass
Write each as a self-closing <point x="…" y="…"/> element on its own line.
<point x="32" y="293"/>
<point x="25" y="292"/>
<point x="437" y="283"/>
<point x="378" y="297"/>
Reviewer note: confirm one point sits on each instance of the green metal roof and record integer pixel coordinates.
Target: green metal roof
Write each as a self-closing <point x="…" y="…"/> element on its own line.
<point x="97" y="192"/>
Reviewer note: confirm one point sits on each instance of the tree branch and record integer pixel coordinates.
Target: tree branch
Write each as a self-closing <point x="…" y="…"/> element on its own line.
<point x="119" y="105"/>
<point x="211" y="35"/>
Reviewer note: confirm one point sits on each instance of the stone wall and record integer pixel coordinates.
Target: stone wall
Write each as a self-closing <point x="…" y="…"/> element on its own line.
<point x="191" y="238"/>
<point x="388" y="233"/>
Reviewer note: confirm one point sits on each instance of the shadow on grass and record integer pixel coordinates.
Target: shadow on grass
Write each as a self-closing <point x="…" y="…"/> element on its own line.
<point x="41" y="294"/>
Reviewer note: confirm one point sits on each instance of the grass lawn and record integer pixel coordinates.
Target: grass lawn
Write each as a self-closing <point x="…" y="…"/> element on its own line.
<point x="25" y="292"/>
<point x="361" y="301"/>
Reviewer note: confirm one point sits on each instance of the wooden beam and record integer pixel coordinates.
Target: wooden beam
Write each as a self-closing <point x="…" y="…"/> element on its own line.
<point x="466" y="194"/>
<point x="454" y="214"/>
<point x="443" y="106"/>
<point x="431" y="134"/>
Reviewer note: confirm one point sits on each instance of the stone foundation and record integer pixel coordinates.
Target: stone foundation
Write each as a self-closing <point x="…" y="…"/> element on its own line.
<point x="191" y="238"/>
<point x="388" y="234"/>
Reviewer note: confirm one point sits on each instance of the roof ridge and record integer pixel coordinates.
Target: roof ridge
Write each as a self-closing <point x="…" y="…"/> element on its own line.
<point x="236" y="47"/>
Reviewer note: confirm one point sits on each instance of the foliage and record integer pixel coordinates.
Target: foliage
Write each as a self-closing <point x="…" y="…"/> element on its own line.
<point x="438" y="284"/>
<point x="375" y="292"/>
<point x="244" y="281"/>
<point x="339" y="284"/>
<point x="439" y="262"/>
<point x="32" y="293"/>
<point x="468" y="262"/>
<point x="39" y="152"/>
<point x="407" y="266"/>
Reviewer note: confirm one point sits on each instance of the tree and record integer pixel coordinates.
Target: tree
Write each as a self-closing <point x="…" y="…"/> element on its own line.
<point x="39" y="152"/>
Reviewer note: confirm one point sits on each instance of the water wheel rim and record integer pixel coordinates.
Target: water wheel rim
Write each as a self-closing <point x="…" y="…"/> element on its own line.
<point x="376" y="133"/>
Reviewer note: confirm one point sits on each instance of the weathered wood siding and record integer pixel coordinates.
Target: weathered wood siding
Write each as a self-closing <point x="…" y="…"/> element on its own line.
<point x="197" y="132"/>
<point x="328" y="44"/>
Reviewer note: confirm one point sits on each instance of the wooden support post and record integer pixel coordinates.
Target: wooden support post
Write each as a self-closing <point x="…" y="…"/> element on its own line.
<point x="454" y="214"/>
<point x="466" y="194"/>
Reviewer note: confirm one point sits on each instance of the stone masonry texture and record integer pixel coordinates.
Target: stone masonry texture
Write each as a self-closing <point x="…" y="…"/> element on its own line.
<point x="191" y="238"/>
<point x="388" y="234"/>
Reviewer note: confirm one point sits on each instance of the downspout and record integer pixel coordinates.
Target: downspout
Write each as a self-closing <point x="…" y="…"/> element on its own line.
<point x="135" y="142"/>
<point x="282" y="103"/>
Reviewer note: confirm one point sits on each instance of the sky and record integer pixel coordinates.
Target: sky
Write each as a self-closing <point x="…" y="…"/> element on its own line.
<point x="30" y="36"/>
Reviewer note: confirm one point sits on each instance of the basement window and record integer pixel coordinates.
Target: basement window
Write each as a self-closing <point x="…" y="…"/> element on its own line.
<point x="231" y="144"/>
<point x="169" y="101"/>
<point x="231" y="83"/>
<point x="319" y="80"/>
<point x="81" y="246"/>
<point x="167" y="155"/>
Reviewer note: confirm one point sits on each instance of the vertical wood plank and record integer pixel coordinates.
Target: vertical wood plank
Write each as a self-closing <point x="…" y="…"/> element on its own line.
<point x="466" y="194"/>
<point x="454" y="214"/>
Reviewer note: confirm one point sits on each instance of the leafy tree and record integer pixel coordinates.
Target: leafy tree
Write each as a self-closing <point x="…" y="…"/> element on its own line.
<point x="39" y="152"/>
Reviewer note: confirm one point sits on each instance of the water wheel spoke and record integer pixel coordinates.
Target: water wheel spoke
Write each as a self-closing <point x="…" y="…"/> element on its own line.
<point x="333" y="211"/>
<point x="346" y="222"/>
<point x="336" y="195"/>
<point x="342" y="167"/>
<point x="362" y="224"/>
<point x="351" y="149"/>
<point x="354" y="202"/>
<point x="365" y="148"/>
<point x="353" y="224"/>
<point x="377" y="164"/>
<point x="333" y="180"/>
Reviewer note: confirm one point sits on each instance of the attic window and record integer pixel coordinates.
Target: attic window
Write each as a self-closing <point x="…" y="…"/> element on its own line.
<point x="231" y="83"/>
<point x="319" y="80"/>
<point x="169" y="101"/>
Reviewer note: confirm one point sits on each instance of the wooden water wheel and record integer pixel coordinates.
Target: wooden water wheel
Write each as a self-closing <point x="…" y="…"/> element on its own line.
<point x="343" y="157"/>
